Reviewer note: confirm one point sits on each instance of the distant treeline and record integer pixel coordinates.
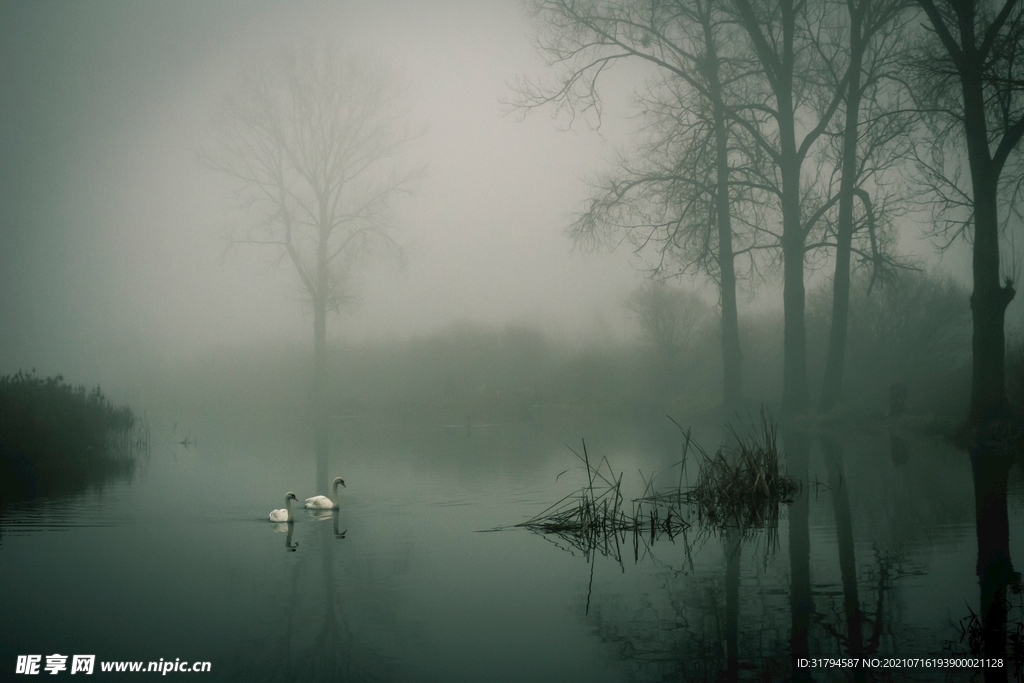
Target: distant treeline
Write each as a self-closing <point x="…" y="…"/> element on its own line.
<point x="57" y="438"/>
<point x="914" y="332"/>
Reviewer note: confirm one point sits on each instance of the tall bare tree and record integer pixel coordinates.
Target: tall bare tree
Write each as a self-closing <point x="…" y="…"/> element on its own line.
<point x="314" y="140"/>
<point x="679" y="199"/>
<point x="972" y="81"/>
<point x="800" y="100"/>
<point x="873" y="138"/>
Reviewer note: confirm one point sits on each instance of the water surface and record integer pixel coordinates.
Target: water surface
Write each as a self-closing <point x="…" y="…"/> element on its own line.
<point x="408" y="582"/>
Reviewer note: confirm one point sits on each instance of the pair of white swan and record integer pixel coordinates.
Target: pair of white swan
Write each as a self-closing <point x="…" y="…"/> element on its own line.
<point x="314" y="503"/>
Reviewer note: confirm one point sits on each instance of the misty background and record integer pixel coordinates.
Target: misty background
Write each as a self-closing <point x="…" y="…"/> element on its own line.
<point x="114" y="263"/>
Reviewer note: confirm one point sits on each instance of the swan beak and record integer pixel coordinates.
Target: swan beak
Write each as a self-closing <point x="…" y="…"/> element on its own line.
<point x="342" y="482"/>
<point x="292" y="496"/>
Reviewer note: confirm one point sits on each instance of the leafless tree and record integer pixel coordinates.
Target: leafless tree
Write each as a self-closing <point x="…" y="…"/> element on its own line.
<point x="743" y="126"/>
<point x="970" y="81"/>
<point x="872" y="140"/>
<point x="677" y="198"/>
<point x="314" y="140"/>
<point x="800" y="99"/>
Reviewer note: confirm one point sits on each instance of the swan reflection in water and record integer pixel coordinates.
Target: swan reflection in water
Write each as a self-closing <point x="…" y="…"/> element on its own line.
<point x="339" y="535"/>
<point x="289" y="528"/>
<point x="334" y="516"/>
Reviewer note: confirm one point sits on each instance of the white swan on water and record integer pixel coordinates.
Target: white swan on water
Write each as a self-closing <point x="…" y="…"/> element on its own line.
<point x="323" y="502"/>
<point x="284" y="514"/>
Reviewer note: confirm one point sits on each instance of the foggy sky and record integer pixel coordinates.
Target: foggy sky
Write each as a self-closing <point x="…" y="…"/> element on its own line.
<point x="111" y="232"/>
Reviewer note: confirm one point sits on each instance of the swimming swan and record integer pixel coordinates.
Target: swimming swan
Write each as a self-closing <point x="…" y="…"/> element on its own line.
<point x="285" y="514"/>
<point x="323" y="502"/>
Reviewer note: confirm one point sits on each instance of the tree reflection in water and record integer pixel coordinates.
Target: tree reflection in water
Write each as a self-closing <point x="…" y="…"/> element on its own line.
<point x="800" y="598"/>
<point x="699" y="627"/>
<point x="987" y="632"/>
<point x="312" y="640"/>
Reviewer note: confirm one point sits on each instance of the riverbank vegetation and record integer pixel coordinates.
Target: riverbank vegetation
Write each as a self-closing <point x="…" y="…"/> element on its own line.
<point x="57" y="438"/>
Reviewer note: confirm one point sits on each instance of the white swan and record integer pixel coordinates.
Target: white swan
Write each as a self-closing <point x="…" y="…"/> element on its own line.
<point x="285" y="514"/>
<point x="323" y="502"/>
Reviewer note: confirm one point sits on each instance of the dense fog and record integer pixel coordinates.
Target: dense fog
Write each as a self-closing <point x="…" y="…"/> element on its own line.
<point x="107" y="106"/>
<point x="118" y="266"/>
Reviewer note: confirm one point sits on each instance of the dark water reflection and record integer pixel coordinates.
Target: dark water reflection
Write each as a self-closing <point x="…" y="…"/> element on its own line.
<point x="995" y="567"/>
<point x="891" y="546"/>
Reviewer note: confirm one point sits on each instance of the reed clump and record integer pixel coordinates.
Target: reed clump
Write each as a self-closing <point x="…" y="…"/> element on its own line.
<point x="597" y="507"/>
<point x="595" y="518"/>
<point x="58" y="438"/>
<point x="742" y="487"/>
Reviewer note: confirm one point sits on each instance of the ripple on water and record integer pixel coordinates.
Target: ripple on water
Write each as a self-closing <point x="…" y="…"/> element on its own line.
<point x="95" y="509"/>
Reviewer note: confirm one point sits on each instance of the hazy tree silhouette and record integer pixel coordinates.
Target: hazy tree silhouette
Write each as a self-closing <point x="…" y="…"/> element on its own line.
<point x="314" y="139"/>
<point x="684" y="197"/>
<point x="873" y="136"/>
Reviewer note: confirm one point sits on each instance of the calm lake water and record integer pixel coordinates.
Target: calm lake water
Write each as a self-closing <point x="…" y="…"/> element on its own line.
<point x="408" y="582"/>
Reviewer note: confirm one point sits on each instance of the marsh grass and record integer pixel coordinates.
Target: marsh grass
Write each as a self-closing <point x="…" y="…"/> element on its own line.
<point x="744" y="486"/>
<point x="598" y="505"/>
<point x="741" y="487"/>
<point x="56" y="438"/>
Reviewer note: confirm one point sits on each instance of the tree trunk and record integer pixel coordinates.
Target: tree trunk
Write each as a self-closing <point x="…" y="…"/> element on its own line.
<point x="779" y="71"/>
<point x="832" y="384"/>
<point x="732" y="360"/>
<point x="795" y="396"/>
<point x="321" y="442"/>
<point x="988" y="309"/>
<point x="988" y="300"/>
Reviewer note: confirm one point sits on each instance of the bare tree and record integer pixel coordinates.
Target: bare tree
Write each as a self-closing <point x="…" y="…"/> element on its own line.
<point x="680" y="199"/>
<point x="314" y="141"/>
<point x="742" y="125"/>
<point x="799" y="101"/>
<point x="971" y="81"/>
<point x="873" y="138"/>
